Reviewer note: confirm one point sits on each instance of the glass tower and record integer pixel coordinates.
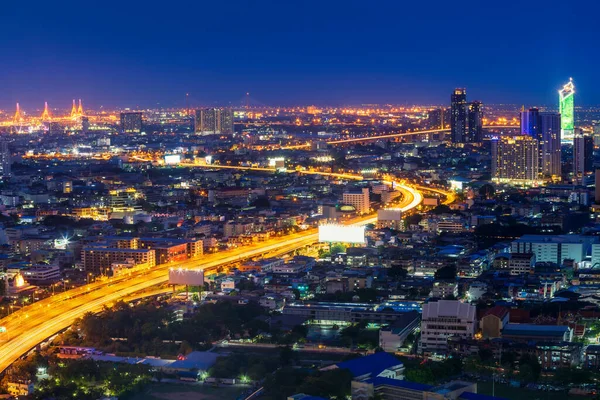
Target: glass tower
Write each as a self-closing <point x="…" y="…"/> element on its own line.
<point x="567" y="111"/>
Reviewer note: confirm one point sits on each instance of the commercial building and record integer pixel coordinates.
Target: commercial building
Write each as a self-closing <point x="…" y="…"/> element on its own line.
<point x="359" y="199"/>
<point x="475" y="122"/>
<point x="100" y="259"/>
<point x="557" y="248"/>
<point x="393" y="389"/>
<point x="5" y="158"/>
<point x="521" y="263"/>
<point x="392" y="337"/>
<point x="530" y="332"/>
<point x="389" y="218"/>
<point x="566" y="106"/>
<point x="493" y="321"/>
<point x="583" y="156"/>
<point x="335" y="313"/>
<point x="443" y="319"/>
<point x="550" y="164"/>
<point x="214" y="121"/>
<point x="131" y="122"/>
<point x="545" y="128"/>
<point x="458" y="119"/>
<point x="515" y="159"/>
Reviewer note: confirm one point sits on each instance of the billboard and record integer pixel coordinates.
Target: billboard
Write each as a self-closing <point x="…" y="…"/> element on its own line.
<point x="172" y="159"/>
<point x="191" y="277"/>
<point x="334" y="233"/>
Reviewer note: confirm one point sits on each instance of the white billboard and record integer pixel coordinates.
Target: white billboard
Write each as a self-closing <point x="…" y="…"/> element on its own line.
<point x="190" y="277"/>
<point x="172" y="159"/>
<point x="333" y="233"/>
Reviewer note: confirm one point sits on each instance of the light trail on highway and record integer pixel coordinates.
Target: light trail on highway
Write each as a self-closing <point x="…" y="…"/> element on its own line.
<point x="33" y="324"/>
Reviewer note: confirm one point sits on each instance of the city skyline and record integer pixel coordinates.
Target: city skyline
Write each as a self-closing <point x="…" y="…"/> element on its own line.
<point x="335" y="54"/>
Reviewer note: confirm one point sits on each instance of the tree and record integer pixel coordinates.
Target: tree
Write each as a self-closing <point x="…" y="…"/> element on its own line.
<point x="446" y="273"/>
<point x="338" y="248"/>
<point x="487" y="191"/>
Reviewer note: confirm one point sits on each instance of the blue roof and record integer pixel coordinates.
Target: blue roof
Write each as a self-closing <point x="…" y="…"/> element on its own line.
<point x="475" y="396"/>
<point x="535" y="330"/>
<point x="372" y="364"/>
<point x="399" y="383"/>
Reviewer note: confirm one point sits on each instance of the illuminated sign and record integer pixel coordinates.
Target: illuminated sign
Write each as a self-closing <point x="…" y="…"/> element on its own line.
<point x="191" y="277"/>
<point x="341" y="234"/>
<point x="172" y="159"/>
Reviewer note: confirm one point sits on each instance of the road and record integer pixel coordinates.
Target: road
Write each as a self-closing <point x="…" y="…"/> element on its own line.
<point x="31" y="325"/>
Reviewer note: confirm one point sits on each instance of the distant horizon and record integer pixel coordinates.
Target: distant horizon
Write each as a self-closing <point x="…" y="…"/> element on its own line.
<point x="25" y="106"/>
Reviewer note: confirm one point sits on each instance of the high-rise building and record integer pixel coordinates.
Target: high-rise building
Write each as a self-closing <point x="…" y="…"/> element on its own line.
<point x="583" y="156"/>
<point x="214" y="121"/>
<point x="435" y="118"/>
<point x="5" y="159"/>
<point x="515" y="159"/>
<point x="530" y="121"/>
<point x="475" y="122"/>
<point x="458" y="121"/>
<point x="359" y="199"/>
<point x="443" y="319"/>
<point x="566" y="98"/>
<point x="545" y="128"/>
<point x="131" y="122"/>
<point x="550" y="161"/>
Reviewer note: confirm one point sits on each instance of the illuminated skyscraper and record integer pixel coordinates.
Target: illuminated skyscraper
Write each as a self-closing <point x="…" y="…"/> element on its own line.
<point x="131" y="122"/>
<point x="213" y="121"/>
<point x="583" y="156"/>
<point x="530" y="121"/>
<point x="5" y="159"/>
<point x="458" y="119"/>
<point x="550" y="164"/>
<point x="515" y="159"/>
<point x="475" y="122"/>
<point x="567" y="111"/>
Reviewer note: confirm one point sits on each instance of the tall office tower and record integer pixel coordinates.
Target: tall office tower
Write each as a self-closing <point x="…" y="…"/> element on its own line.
<point x="447" y="117"/>
<point x="597" y="190"/>
<point x="566" y="106"/>
<point x="515" y="159"/>
<point x="475" y="122"/>
<point x="5" y="159"/>
<point x="596" y="128"/>
<point x="550" y="161"/>
<point x="226" y="121"/>
<point x="213" y="121"/>
<point x="131" y="122"/>
<point x="435" y="118"/>
<point x="458" y="121"/>
<point x="530" y="122"/>
<point x="583" y="156"/>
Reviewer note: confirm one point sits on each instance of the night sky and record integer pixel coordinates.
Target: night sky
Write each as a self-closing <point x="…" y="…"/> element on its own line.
<point x="129" y="53"/>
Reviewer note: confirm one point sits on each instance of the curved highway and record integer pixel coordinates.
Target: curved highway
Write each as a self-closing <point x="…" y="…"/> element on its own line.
<point x="33" y="324"/>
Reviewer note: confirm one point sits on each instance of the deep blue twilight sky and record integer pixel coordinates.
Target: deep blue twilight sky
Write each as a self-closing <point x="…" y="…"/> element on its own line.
<point x="286" y="52"/>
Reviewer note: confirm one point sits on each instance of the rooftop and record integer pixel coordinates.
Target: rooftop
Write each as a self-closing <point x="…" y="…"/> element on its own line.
<point x="371" y="365"/>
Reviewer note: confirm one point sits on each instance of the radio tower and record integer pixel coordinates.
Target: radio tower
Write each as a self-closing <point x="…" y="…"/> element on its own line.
<point x="46" y="113"/>
<point x="247" y="101"/>
<point x="80" y="109"/>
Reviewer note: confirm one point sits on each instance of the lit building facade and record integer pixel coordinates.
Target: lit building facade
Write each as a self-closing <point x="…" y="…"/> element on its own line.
<point x="131" y="122"/>
<point x="475" y="122"/>
<point x="444" y="319"/>
<point x="566" y="98"/>
<point x="583" y="156"/>
<point x="213" y="121"/>
<point x="458" y="118"/>
<point x="515" y="159"/>
<point x="358" y="199"/>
